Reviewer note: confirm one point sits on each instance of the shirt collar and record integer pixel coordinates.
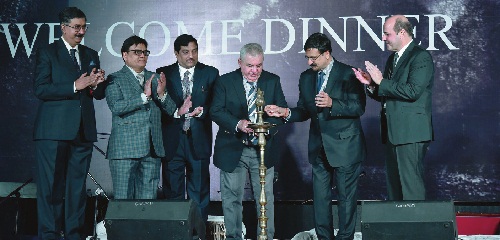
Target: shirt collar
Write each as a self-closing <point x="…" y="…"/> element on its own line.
<point x="247" y="85"/>
<point x="328" y="69"/>
<point x="402" y="50"/>
<point x="135" y="73"/>
<point x="182" y="70"/>
<point x="68" y="46"/>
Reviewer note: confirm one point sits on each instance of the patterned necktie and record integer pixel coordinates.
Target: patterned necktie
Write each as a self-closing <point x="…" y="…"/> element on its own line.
<point x="252" y="110"/>
<point x="321" y="79"/>
<point x="394" y="63"/>
<point x="72" y="52"/>
<point x="186" y="91"/>
<point x="140" y="78"/>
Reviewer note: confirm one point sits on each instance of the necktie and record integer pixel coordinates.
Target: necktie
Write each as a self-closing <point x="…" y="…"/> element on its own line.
<point x="72" y="52"/>
<point x="394" y="63"/>
<point x="186" y="91"/>
<point x="140" y="78"/>
<point x="321" y="79"/>
<point x="252" y="110"/>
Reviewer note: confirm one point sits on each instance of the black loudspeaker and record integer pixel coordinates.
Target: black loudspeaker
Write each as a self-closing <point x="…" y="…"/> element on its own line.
<point x="408" y="220"/>
<point x="153" y="219"/>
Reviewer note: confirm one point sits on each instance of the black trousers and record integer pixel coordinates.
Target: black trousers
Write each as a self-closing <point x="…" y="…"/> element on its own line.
<point x="61" y="198"/>
<point x="346" y="178"/>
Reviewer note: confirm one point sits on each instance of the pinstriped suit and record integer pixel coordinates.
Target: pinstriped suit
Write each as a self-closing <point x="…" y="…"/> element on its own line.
<point x="136" y="129"/>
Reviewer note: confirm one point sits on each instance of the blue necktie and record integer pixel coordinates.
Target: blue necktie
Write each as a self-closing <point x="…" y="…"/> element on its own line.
<point x="321" y="79"/>
<point x="252" y="110"/>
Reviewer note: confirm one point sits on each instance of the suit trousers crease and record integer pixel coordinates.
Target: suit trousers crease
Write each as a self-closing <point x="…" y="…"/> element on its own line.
<point x="136" y="178"/>
<point x="346" y="178"/>
<point x="184" y="172"/>
<point x="232" y="193"/>
<point x="405" y="171"/>
<point x="62" y="171"/>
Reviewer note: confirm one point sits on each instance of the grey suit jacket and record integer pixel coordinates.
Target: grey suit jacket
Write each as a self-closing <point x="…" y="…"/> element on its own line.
<point x="337" y="129"/>
<point x="408" y="97"/>
<point x="134" y="125"/>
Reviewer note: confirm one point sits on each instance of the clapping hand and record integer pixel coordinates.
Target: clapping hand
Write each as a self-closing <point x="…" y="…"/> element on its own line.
<point x="362" y="76"/>
<point x="147" y="87"/>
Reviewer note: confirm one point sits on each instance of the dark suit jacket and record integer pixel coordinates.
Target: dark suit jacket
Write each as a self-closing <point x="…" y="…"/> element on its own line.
<point x="408" y="97"/>
<point x="201" y="127"/>
<point x="230" y="105"/>
<point x="135" y="125"/>
<point x="61" y="109"/>
<point x="337" y="129"/>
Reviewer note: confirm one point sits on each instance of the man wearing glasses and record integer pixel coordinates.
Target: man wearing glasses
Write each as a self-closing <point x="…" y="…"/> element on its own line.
<point x="334" y="100"/>
<point x="67" y="78"/>
<point x="136" y="98"/>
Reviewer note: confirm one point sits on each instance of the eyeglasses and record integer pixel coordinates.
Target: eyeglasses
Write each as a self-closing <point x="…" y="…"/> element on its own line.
<point x="140" y="52"/>
<point x="78" y="27"/>
<point x="312" y="58"/>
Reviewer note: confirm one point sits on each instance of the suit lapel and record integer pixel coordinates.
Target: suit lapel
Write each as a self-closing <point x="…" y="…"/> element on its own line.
<point x="197" y="80"/>
<point x="334" y="72"/>
<point x="239" y="89"/>
<point x="65" y="57"/>
<point x="401" y="59"/>
<point x="175" y="81"/>
<point x="131" y="79"/>
<point x="84" y="60"/>
<point x="312" y="83"/>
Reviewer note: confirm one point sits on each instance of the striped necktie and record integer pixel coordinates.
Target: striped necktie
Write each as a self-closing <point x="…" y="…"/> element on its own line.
<point x="252" y="110"/>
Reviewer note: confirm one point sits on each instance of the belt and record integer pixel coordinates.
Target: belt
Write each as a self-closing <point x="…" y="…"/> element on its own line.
<point x="187" y="133"/>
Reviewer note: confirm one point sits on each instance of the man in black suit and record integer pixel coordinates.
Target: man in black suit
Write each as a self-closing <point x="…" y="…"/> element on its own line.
<point x="334" y="100"/>
<point x="405" y="93"/>
<point x="188" y="138"/>
<point x="235" y="151"/>
<point x="66" y="81"/>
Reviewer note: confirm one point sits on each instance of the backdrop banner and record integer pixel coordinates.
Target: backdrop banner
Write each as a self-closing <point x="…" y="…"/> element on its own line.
<point x="462" y="163"/>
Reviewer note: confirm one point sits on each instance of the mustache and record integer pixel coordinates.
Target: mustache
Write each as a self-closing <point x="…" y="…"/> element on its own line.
<point x="313" y="65"/>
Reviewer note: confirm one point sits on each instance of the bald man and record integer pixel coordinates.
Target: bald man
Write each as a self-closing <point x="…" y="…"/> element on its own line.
<point x="405" y="93"/>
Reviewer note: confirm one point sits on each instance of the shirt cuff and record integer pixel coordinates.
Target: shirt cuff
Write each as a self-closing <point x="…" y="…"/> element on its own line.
<point x="289" y="115"/>
<point x="236" y="127"/>
<point x="144" y="98"/>
<point x="162" y="99"/>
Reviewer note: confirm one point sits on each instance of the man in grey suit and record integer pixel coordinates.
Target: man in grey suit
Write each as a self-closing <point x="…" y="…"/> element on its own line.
<point x="334" y="100"/>
<point x="235" y="151"/>
<point x="136" y="98"/>
<point x="405" y="93"/>
<point x="67" y="80"/>
<point x="188" y="138"/>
